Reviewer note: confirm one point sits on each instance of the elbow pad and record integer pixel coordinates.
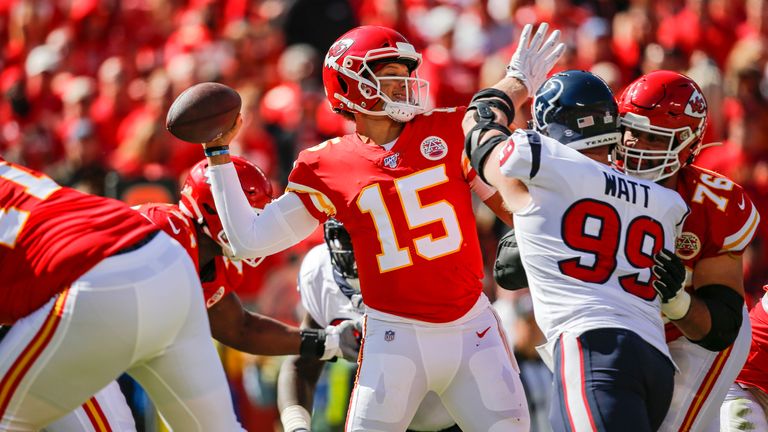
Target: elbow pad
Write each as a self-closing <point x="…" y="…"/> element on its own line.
<point x="508" y="269"/>
<point x="725" y="310"/>
<point x="476" y="147"/>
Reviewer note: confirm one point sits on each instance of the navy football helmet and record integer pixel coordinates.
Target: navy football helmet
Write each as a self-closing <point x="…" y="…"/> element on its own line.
<point x="342" y="255"/>
<point x="578" y="109"/>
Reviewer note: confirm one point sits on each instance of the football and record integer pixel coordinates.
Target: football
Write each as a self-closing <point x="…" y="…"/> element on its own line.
<point x="203" y="111"/>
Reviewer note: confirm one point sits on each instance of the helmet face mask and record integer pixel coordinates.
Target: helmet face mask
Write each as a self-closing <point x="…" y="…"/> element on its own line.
<point x="197" y="200"/>
<point x="350" y="80"/>
<point x="577" y="109"/>
<point x="662" y="106"/>
<point x="342" y="253"/>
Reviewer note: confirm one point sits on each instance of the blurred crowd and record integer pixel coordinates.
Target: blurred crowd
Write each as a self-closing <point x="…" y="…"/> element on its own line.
<point x="86" y="85"/>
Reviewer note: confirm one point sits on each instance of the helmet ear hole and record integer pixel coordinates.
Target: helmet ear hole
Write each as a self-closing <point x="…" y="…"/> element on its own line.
<point x="343" y="85"/>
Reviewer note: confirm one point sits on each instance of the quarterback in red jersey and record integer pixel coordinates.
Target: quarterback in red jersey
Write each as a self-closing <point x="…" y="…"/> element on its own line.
<point x="86" y="286"/>
<point x="195" y="224"/>
<point x="401" y="187"/>
<point x="664" y="116"/>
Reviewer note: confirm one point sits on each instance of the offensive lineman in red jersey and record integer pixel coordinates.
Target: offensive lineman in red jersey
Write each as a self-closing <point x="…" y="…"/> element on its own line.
<point x="663" y="115"/>
<point x="195" y="224"/>
<point x="92" y="289"/>
<point x="401" y="186"/>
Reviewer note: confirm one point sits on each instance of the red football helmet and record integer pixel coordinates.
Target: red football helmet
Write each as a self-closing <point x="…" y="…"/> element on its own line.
<point x="667" y="104"/>
<point x="351" y="84"/>
<point x="197" y="198"/>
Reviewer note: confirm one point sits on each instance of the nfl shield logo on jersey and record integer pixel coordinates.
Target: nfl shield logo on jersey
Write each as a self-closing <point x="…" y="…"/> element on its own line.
<point x="392" y="160"/>
<point x="389" y="335"/>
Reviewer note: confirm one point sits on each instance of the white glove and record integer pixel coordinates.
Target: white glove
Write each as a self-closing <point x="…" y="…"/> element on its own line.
<point x="532" y="61"/>
<point x="343" y="340"/>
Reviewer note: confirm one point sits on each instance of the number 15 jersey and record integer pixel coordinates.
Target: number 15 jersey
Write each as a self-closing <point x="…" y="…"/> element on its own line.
<point x="587" y="239"/>
<point x="408" y="211"/>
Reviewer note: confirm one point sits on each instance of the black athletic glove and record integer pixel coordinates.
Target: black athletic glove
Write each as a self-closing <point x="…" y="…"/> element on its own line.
<point x="669" y="283"/>
<point x="508" y="269"/>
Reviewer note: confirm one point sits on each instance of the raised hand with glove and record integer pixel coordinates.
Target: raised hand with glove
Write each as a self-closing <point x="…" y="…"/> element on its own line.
<point x="534" y="58"/>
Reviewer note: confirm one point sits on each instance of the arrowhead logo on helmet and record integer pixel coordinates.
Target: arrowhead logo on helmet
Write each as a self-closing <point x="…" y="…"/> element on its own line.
<point x="337" y="50"/>
<point x="696" y="106"/>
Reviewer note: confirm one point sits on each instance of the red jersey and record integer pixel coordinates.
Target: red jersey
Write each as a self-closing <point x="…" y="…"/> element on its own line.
<point x="722" y="220"/>
<point x="228" y="274"/>
<point x="51" y="235"/>
<point x="408" y="211"/>
<point x="753" y="372"/>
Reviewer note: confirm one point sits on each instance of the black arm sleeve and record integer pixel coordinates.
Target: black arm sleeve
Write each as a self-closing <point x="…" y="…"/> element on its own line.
<point x="725" y="310"/>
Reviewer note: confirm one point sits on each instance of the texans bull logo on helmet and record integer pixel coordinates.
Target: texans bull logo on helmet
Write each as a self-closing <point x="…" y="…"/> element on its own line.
<point x="545" y="101"/>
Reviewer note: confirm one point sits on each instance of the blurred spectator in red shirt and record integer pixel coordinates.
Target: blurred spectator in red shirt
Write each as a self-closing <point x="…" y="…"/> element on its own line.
<point x="254" y="142"/>
<point x="112" y="103"/>
<point x="83" y="166"/>
<point x="288" y="109"/>
<point x="755" y="24"/>
<point x="702" y="24"/>
<point x="707" y="75"/>
<point x="632" y="31"/>
<point x="560" y="14"/>
<point x="593" y="43"/>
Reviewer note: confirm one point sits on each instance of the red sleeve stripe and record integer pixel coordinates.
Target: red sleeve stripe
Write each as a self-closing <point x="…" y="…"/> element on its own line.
<point x="15" y="374"/>
<point x="99" y="421"/>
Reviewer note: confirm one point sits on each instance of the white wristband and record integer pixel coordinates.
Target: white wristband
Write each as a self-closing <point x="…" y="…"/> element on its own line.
<point x="514" y="73"/>
<point x="677" y="307"/>
<point x="295" y="417"/>
<point x="331" y="344"/>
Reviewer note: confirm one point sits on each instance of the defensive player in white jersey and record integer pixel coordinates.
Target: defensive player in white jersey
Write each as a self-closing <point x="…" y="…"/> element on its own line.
<point x="330" y="293"/>
<point x="587" y="236"/>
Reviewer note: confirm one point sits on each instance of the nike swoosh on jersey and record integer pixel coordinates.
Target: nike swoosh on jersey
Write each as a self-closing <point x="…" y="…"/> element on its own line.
<point x="482" y="333"/>
<point x="741" y="204"/>
<point x="173" y="227"/>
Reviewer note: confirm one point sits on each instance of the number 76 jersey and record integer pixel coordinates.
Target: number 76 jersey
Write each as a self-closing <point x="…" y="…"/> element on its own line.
<point x="587" y="239"/>
<point x="408" y="211"/>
